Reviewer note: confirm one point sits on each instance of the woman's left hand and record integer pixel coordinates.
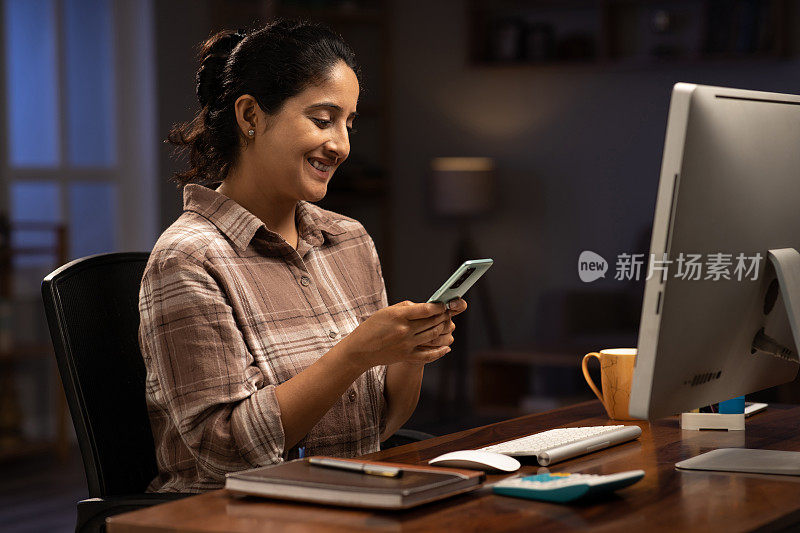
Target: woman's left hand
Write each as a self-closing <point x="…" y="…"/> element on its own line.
<point x="457" y="307"/>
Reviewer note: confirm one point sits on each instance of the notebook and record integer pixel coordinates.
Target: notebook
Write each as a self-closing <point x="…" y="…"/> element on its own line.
<point x="298" y="480"/>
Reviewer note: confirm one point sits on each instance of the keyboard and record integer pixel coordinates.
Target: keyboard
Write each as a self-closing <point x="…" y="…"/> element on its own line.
<point x="560" y="444"/>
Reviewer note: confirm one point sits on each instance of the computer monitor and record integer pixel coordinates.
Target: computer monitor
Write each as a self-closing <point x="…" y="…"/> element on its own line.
<point x="729" y="194"/>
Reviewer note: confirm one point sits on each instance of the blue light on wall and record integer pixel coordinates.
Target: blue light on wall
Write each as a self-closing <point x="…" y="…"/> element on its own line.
<point x="32" y="87"/>
<point x="89" y="50"/>
<point x="92" y="207"/>
<point x="35" y="201"/>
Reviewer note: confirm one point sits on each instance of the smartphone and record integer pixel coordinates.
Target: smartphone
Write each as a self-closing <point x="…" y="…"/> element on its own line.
<point x="462" y="279"/>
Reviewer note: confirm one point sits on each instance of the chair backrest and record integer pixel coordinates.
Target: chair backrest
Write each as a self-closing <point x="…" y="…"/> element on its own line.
<point x="92" y="311"/>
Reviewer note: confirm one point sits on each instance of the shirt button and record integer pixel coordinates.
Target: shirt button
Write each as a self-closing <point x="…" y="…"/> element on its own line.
<point x="304" y="281"/>
<point x="332" y="334"/>
<point x="352" y="396"/>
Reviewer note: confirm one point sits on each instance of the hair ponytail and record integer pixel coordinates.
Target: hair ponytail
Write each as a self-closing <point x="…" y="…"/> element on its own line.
<point x="215" y="53"/>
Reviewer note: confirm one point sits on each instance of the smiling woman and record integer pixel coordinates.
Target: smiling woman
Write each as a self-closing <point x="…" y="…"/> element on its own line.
<point x="265" y="327"/>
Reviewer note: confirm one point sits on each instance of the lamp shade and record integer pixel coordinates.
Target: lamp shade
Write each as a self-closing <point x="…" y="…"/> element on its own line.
<point x="462" y="186"/>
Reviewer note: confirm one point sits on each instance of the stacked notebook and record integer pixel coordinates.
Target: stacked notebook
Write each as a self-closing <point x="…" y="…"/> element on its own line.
<point x="299" y="480"/>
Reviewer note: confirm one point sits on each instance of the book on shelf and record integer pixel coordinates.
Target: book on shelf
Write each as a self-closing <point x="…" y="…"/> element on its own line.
<point x="299" y="480"/>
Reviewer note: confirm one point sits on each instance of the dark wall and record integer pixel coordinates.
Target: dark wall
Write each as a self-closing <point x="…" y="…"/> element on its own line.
<point x="578" y="153"/>
<point x="180" y="26"/>
<point x="577" y="149"/>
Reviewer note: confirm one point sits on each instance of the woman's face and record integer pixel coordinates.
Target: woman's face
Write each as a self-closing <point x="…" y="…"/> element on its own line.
<point x="298" y="149"/>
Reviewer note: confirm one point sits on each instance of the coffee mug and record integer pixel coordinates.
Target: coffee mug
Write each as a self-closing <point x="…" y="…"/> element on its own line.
<point x="616" y="374"/>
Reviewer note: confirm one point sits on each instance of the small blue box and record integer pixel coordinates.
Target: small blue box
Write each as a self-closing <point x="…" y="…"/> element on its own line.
<point x="734" y="406"/>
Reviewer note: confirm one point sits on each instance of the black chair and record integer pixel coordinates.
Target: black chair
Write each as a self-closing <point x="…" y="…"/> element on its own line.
<point x="404" y="436"/>
<point x="93" y="315"/>
<point x="92" y="311"/>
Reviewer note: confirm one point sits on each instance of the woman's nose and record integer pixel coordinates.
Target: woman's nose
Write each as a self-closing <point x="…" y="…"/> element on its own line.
<point x="339" y="145"/>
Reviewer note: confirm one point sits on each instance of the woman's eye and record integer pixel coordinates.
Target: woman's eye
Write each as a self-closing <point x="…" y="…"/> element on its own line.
<point x="321" y="122"/>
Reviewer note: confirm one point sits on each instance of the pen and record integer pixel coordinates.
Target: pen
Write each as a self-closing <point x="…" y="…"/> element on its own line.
<point x="364" y="468"/>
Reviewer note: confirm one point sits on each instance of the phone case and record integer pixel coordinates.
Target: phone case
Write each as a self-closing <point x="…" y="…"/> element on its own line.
<point x="462" y="279"/>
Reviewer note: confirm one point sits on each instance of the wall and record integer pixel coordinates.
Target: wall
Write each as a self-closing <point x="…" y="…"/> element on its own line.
<point x="578" y="151"/>
<point x="180" y="26"/>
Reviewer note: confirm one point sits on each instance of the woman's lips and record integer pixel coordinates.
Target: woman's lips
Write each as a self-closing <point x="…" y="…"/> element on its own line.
<point x="324" y="175"/>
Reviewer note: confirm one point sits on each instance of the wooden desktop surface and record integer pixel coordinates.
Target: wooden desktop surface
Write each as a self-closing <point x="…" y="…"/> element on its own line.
<point x="665" y="500"/>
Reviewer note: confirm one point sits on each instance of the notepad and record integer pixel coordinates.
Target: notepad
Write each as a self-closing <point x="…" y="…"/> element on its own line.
<point x="298" y="480"/>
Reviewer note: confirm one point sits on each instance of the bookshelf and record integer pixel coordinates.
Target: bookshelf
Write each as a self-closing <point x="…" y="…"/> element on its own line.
<point x="623" y="33"/>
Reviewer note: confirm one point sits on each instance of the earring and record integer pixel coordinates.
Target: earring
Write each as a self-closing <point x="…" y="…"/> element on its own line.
<point x="251" y="132"/>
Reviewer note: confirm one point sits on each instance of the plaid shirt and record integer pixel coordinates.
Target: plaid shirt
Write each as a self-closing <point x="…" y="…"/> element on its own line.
<point x="228" y="311"/>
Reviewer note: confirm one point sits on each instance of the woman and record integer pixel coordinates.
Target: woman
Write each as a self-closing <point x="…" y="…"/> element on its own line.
<point x="264" y="323"/>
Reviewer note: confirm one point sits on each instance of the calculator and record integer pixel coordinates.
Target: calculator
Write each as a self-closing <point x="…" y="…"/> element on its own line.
<point x="565" y="487"/>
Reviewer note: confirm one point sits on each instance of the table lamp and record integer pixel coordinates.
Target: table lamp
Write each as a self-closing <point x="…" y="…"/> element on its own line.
<point x="462" y="186"/>
<point x="462" y="189"/>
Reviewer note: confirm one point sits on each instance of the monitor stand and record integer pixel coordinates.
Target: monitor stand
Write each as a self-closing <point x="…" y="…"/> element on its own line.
<point x="787" y="267"/>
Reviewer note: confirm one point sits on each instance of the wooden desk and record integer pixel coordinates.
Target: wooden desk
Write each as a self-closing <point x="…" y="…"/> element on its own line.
<point x="665" y="500"/>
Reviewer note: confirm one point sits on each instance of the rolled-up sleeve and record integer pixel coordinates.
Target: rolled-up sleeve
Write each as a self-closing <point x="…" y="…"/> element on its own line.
<point x="200" y="374"/>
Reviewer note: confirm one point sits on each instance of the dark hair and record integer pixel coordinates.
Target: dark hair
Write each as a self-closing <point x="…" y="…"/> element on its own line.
<point x="271" y="64"/>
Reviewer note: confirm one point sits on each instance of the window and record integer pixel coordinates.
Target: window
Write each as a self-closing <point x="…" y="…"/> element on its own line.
<point x="66" y="159"/>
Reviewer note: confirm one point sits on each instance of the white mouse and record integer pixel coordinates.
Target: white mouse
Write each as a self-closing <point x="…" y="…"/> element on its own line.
<point x="477" y="460"/>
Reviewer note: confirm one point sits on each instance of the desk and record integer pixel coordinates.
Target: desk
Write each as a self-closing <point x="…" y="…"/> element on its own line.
<point x="665" y="500"/>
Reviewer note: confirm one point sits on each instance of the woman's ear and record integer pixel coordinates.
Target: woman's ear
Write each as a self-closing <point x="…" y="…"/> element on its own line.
<point x="247" y="115"/>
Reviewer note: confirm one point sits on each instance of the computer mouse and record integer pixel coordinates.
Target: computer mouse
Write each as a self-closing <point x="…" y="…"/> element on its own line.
<point x="477" y="460"/>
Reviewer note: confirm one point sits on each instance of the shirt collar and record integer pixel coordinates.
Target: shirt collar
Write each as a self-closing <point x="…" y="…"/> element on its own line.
<point x="313" y="222"/>
<point x="240" y="225"/>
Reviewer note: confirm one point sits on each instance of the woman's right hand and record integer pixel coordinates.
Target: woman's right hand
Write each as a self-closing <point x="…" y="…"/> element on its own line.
<point x="396" y="334"/>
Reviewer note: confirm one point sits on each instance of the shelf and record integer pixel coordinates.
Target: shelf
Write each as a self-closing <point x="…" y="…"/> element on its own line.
<point x="515" y="368"/>
<point x="628" y="34"/>
<point x="631" y="65"/>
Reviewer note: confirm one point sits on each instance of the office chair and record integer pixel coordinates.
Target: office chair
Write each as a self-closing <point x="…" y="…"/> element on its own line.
<point x="404" y="436"/>
<point x="93" y="315"/>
